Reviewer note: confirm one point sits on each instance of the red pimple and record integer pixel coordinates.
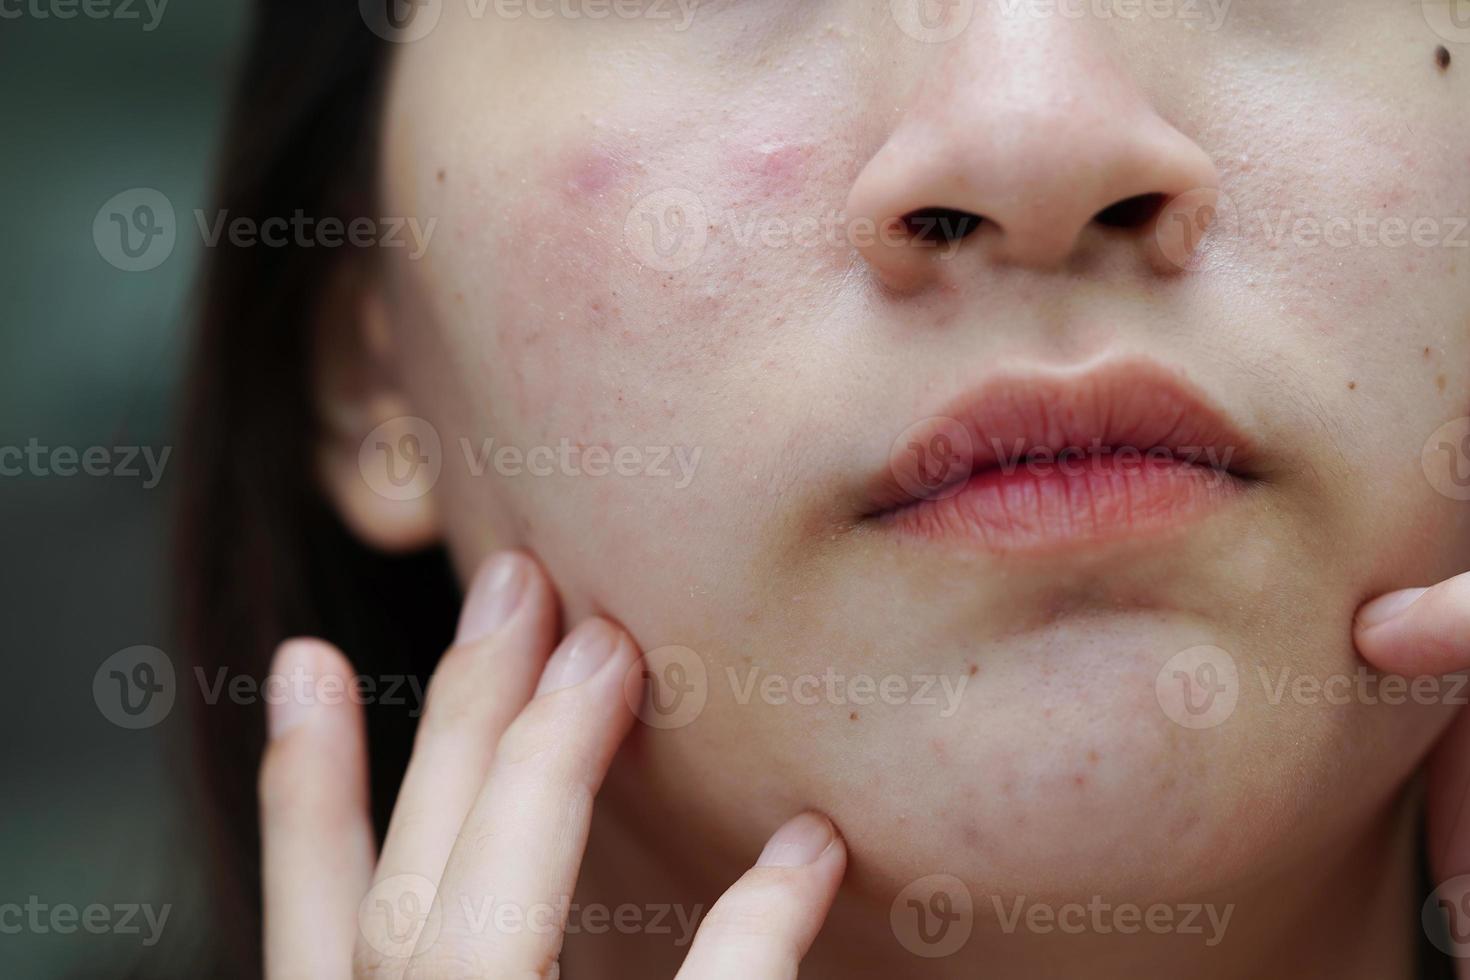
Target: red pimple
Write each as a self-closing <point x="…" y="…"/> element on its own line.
<point x="780" y="169"/>
<point x="590" y="172"/>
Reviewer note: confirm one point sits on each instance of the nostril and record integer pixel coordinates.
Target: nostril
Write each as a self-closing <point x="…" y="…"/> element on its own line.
<point x="1131" y="212"/>
<point x="941" y="226"/>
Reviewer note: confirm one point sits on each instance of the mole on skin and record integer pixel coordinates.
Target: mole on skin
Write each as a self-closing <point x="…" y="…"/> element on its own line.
<point x="1442" y="57"/>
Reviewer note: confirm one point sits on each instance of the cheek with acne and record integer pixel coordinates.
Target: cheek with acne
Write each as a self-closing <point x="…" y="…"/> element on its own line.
<point x="575" y="310"/>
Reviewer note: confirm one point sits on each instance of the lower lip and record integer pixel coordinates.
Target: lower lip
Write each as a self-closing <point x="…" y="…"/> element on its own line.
<point x="1036" y="506"/>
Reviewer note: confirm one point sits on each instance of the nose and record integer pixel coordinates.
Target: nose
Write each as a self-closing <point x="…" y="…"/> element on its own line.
<point x="1024" y="146"/>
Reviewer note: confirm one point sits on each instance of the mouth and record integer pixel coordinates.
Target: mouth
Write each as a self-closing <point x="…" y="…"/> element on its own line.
<point x="1046" y="462"/>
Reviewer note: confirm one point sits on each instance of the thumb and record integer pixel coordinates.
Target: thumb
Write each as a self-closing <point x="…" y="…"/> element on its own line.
<point x="1415" y="632"/>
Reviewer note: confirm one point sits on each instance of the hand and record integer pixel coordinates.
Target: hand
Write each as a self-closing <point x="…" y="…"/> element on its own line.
<point x="1414" y="633"/>
<point x="495" y="806"/>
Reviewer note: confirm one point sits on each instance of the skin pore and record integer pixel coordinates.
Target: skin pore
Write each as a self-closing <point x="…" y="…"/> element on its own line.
<point x="542" y="315"/>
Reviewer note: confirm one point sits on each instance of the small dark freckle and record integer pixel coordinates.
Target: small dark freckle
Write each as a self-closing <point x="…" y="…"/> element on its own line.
<point x="440" y="175"/>
<point x="1092" y="757"/>
<point x="1426" y="352"/>
<point x="852" y="717"/>
<point x="1352" y="386"/>
<point x="1442" y="57"/>
<point x="1440" y="382"/>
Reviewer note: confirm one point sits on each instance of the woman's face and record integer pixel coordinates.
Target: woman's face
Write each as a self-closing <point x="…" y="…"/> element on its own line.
<point x="668" y="233"/>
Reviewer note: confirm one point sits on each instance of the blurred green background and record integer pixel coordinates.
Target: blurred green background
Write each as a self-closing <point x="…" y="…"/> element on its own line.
<point x="91" y="358"/>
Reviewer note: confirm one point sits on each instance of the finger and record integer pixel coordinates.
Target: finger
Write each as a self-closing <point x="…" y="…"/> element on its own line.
<point x="1415" y="632"/>
<point x="504" y="897"/>
<point x="506" y="630"/>
<point x="316" y="832"/>
<point x="762" y="927"/>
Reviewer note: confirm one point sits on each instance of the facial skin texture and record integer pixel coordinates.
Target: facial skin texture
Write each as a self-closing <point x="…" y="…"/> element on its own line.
<point x="536" y="317"/>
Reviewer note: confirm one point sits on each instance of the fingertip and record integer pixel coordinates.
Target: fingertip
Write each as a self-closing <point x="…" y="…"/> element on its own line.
<point x="297" y="670"/>
<point x="586" y="651"/>
<point x="502" y="584"/>
<point x="1387" y="607"/>
<point x="801" y="841"/>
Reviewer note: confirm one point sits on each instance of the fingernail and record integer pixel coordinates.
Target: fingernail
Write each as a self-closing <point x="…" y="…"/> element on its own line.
<point x="1386" y="607"/>
<point x="579" y="657"/>
<point x="495" y="593"/>
<point x="800" y="842"/>
<point x="295" y="659"/>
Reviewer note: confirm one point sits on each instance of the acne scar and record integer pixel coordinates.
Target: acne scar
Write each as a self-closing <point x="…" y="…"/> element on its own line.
<point x="1442" y="57"/>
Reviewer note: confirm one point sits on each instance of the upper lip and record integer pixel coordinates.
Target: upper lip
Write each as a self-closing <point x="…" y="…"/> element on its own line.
<point x="1134" y="404"/>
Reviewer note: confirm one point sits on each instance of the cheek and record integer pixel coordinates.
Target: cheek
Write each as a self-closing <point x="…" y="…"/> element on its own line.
<point x="574" y="327"/>
<point x="624" y="277"/>
<point x="1347" y="211"/>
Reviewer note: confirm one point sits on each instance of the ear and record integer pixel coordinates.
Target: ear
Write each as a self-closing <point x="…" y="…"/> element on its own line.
<point x="376" y="461"/>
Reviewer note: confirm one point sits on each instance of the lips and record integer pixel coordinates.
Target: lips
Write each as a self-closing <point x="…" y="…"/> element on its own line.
<point x="1038" y="462"/>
